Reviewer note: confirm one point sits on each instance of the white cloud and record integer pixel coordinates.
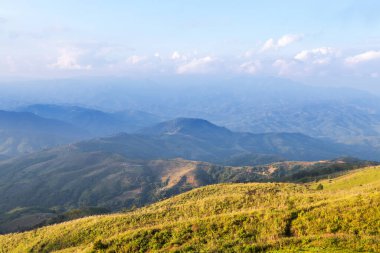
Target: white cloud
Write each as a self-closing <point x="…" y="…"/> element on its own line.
<point x="251" y="67"/>
<point x="269" y="44"/>
<point x="135" y="59"/>
<point x="319" y="61"/>
<point x="68" y="59"/>
<point x="284" y="67"/>
<point x="321" y="55"/>
<point x="293" y="68"/>
<point x="175" y="56"/>
<point x="197" y="65"/>
<point x="288" y="39"/>
<point x="283" y="41"/>
<point x="364" y="57"/>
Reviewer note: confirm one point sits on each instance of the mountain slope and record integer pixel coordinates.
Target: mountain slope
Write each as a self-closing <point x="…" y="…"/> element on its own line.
<point x="22" y="132"/>
<point x="197" y="139"/>
<point x="197" y="128"/>
<point x="270" y="217"/>
<point x="97" y="122"/>
<point x="56" y="182"/>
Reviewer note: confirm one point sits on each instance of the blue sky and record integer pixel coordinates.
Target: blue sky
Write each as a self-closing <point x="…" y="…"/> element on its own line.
<point x="303" y="40"/>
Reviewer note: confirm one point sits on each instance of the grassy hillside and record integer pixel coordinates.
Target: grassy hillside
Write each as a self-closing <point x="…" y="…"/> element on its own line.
<point x="40" y="188"/>
<point x="333" y="215"/>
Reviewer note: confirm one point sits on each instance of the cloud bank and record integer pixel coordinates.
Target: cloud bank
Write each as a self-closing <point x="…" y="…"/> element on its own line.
<point x="363" y="57"/>
<point x="107" y="59"/>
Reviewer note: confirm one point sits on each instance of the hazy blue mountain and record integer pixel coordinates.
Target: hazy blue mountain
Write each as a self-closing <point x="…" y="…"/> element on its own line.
<point x="96" y="122"/>
<point x="220" y="142"/>
<point x="187" y="126"/>
<point x="347" y="123"/>
<point x="197" y="139"/>
<point x="191" y="127"/>
<point x="251" y="104"/>
<point x="23" y="132"/>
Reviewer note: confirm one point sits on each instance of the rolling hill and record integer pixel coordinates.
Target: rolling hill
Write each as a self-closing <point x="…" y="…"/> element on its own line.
<point x="49" y="184"/>
<point x="335" y="215"/>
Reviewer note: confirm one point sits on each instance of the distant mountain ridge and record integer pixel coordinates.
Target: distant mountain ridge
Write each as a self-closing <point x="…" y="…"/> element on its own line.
<point x="190" y="138"/>
<point x="23" y="132"/>
<point x="40" y="126"/>
<point x="28" y="121"/>
<point x="347" y="123"/>
<point x="96" y="122"/>
<point x="249" y="104"/>
<point x="197" y="139"/>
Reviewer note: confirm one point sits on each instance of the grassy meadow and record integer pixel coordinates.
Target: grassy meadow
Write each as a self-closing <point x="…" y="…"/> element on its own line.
<point x="333" y="215"/>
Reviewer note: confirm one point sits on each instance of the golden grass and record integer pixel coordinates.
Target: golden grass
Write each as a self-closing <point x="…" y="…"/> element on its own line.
<point x="251" y="217"/>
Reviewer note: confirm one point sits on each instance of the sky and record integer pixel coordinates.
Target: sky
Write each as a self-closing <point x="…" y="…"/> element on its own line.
<point x="311" y="41"/>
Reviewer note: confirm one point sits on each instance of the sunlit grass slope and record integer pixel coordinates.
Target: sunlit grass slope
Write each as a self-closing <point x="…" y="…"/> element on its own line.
<point x="344" y="216"/>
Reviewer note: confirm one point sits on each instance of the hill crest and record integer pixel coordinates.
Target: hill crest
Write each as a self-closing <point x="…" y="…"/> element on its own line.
<point x="186" y="126"/>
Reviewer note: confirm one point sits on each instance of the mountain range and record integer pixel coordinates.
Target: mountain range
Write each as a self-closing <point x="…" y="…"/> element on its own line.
<point x="198" y="139"/>
<point x="255" y="105"/>
<point x="38" y="127"/>
<point x="249" y="104"/>
<point x="127" y="170"/>
<point x="43" y="126"/>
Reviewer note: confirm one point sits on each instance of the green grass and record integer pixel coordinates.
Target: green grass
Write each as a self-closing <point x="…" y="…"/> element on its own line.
<point x="251" y="217"/>
<point x="355" y="179"/>
<point x="47" y="187"/>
